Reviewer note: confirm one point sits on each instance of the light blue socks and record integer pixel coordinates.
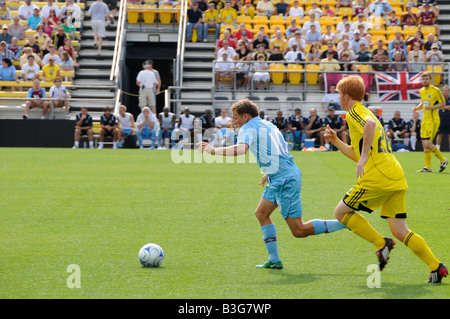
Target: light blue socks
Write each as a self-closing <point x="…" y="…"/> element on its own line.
<point x="270" y="240"/>
<point x="326" y="226"/>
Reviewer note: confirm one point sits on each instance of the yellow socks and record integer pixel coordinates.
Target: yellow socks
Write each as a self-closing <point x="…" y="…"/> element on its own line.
<point x="427" y="154"/>
<point x="361" y="227"/>
<point x="420" y="248"/>
<point x="438" y="154"/>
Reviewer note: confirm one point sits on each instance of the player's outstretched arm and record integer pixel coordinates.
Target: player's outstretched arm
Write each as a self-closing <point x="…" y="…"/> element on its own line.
<point x="234" y="150"/>
<point x="345" y="149"/>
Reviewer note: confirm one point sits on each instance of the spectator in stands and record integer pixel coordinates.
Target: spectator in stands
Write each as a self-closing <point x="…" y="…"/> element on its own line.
<point x="363" y="55"/>
<point x="295" y="10"/>
<point x="397" y="129"/>
<point x="427" y="17"/>
<point x="281" y="123"/>
<point x="417" y="52"/>
<point x="226" y="48"/>
<point x="297" y="40"/>
<point x="290" y="32"/>
<point x="444" y="115"/>
<point x="355" y="25"/>
<point x="344" y="46"/>
<point x="33" y="45"/>
<point x="340" y="27"/>
<point x="315" y="10"/>
<point x="34" y="20"/>
<point x="146" y="81"/>
<point x="432" y="4"/>
<point x="336" y="123"/>
<point x="296" y="126"/>
<point x="66" y="63"/>
<point x="226" y="37"/>
<point x="431" y="39"/>
<point x="415" y="38"/>
<point x="71" y="10"/>
<point x="5" y="14"/>
<point x="264" y="8"/>
<point x="36" y="95"/>
<point x="415" y="65"/>
<point x="312" y="21"/>
<point x="345" y="63"/>
<point x="212" y="20"/>
<point x="281" y="8"/>
<point x="223" y="124"/>
<point x="83" y="126"/>
<point x="248" y="9"/>
<point x="167" y="125"/>
<point x="50" y="71"/>
<point x="328" y="35"/>
<point x="346" y="33"/>
<point x="24" y="58"/>
<point x="70" y="30"/>
<point x="261" y="74"/>
<point x="434" y="55"/>
<point x="398" y="47"/>
<point x="52" y="53"/>
<point x="60" y="37"/>
<point x="30" y="70"/>
<point x="328" y="11"/>
<point x="26" y="10"/>
<point x="280" y="41"/>
<point x="186" y="126"/>
<point x="331" y="99"/>
<point x="242" y="51"/>
<point x="228" y="15"/>
<point x="380" y="8"/>
<point x="5" y="35"/>
<point x="243" y="76"/>
<point x="145" y="126"/>
<point x="313" y="35"/>
<point x="393" y="20"/>
<point x="47" y="27"/>
<point x="327" y="65"/>
<point x="8" y="72"/>
<point x="242" y="29"/>
<point x="398" y="64"/>
<point x="59" y="92"/>
<point x="381" y="57"/>
<point x="45" y="13"/>
<point x="14" y="48"/>
<point x="398" y="38"/>
<point x="16" y="29"/>
<point x="343" y="4"/>
<point x="53" y="21"/>
<point x="313" y="126"/>
<point x="67" y="47"/>
<point x="99" y="13"/>
<point x="125" y="121"/>
<point x="380" y="47"/>
<point x="112" y="6"/>
<point x="259" y="39"/>
<point x="5" y="53"/>
<point x="42" y="39"/>
<point x="276" y="55"/>
<point x="294" y="55"/>
<point x="109" y="127"/>
<point x="413" y="129"/>
<point x="355" y="44"/>
<point x="261" y="51"/>
<point x="409" y="18"/>
<point x="224" y="68"/>
<point x="314" y="54"/>
<point x="330" y="47"/>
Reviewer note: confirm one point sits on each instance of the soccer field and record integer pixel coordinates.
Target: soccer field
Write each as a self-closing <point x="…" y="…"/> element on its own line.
<point x="96" y="208"/>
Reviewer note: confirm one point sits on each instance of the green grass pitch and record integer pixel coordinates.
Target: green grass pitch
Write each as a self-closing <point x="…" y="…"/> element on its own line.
<point x="96" y="208"/>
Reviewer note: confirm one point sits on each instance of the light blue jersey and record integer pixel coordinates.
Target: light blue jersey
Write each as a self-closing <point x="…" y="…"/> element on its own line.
<point x="268" y="146"/>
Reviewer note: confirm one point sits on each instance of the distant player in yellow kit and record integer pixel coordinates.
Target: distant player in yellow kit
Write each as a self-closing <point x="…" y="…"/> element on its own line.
<point x="380" y="181"/>
<point x="432" y="100"/>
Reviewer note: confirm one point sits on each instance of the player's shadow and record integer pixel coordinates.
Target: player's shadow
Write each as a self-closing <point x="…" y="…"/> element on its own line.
<point x="401" y="291"/>
<point x="287" y="278"/>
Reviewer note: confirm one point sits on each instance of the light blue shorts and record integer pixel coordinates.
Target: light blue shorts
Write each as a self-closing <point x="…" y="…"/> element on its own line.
<point x="286" y="195"/>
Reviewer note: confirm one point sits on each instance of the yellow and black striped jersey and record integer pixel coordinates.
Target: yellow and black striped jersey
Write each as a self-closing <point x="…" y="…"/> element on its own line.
<point x="382" y="170"/>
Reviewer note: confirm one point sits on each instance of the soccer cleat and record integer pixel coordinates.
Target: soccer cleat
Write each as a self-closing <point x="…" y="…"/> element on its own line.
<point x="437" y="275"/>
<point x="443" y="165"/>
<point x="383" y="253"/>
<point x="269" y="264"/>
<point x="425" y="170"/>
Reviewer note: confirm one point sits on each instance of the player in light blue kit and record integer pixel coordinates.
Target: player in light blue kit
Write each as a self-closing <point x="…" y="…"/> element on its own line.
<point x="270" y="149"/>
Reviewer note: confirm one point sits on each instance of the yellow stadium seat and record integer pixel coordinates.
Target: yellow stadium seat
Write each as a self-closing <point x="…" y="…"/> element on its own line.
<point x="261" y="20"/>
<point x="133" y="13"/>
<point x="375" y="39"/>
<point x="324" y="20"/>
<point x="277" y="20"/>
<point x="165" y="15"/>
<point x="312" y="74"/>
<point x="277" y="77"/>
<point x="149" y="14"/>
<point x="427" y="29"/>
<point x="408" y="30"/>
<point x="345" y="11"/>
<point x="96" y="127"/>
<point x="244" y="19"/>
<point x="257" y="26"/>
<point x="436" y="76"/>
<point x="294" y="77"/>
<point x="393" y="29"/>
<point x="363" y="68"/>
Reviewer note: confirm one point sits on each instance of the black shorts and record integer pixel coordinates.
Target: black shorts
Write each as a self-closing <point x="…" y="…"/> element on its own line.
<point x="108" y="133"/>
<point x="444" y="128"/>
<point x="112" y="4"/>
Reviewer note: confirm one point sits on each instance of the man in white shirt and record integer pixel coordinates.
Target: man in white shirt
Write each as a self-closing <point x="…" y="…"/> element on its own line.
<point x="59" y="91"/>
<point x="224" y="68"/>
<point x="46" y="9"/>
<point x="223" y="123"/>
<point x="30" y="70"/>
<point x="296" y="10"/>
<point x="146" y="81"/>
<point x="186" y="127"/>
<point x="307" y="24"/>
<point x="52" y="53"/>
<point x="26" y="10"/>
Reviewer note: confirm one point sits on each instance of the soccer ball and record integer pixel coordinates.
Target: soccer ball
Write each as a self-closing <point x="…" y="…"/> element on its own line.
<point x="151" y="255"/>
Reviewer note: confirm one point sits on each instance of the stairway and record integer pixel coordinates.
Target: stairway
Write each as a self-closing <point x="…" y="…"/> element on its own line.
<point x="444" y="24"/>
<point x="197" y="76"/>
<point x="92" y="78"/>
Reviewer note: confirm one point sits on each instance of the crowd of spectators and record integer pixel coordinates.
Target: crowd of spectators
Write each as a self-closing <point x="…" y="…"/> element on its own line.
<point x="402" y="37"/>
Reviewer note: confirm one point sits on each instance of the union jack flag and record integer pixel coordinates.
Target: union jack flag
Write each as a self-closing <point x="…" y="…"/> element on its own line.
<point x="399" y="86"/>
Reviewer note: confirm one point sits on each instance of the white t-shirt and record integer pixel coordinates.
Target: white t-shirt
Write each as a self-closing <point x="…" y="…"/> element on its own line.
<point x="187" y="123"/>
<point x="166" y="122"/>
<point x="25" y="10"/>
<point x="46" y="10"/>
<point x="57" y="92"/>
<point x="147" y="79"/>
<point x="125" y="121"/>
<point x="219" y="121"/>
<point x="29" y="72"/>
<point x="297" y="12"/>
<point x="224" y="66"/>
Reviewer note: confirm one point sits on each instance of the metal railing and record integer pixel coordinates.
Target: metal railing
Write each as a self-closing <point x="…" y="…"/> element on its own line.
<point x="179" y="61"/>
<point x="118" y="56"/>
